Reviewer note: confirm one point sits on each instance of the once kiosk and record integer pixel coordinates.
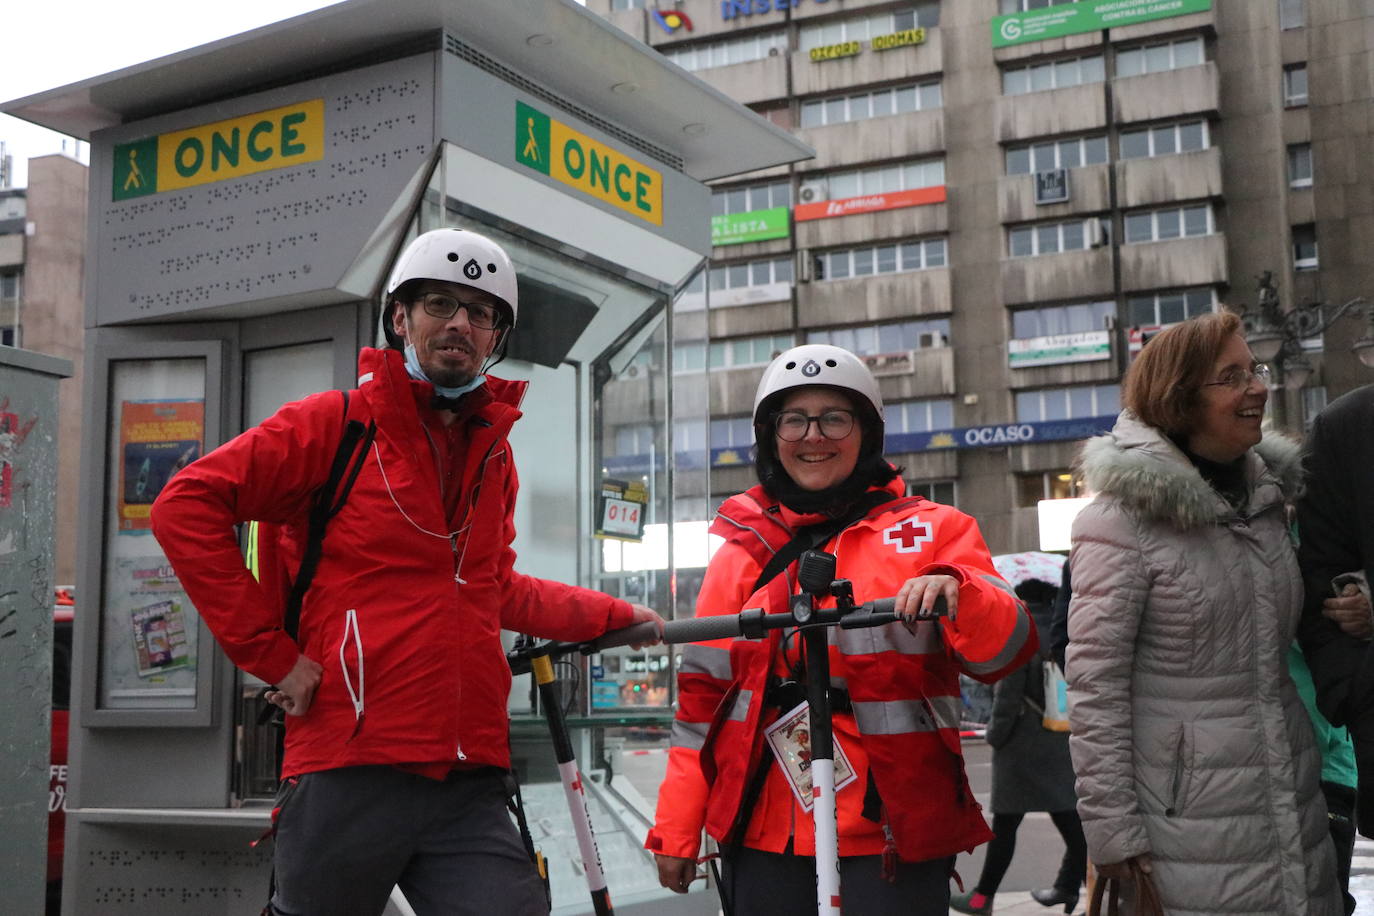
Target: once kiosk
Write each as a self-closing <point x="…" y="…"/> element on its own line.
<point x="247" y="199"/>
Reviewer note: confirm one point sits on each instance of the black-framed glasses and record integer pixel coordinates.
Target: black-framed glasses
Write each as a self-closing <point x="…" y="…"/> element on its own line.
<point x="1239" y="379"/>
<point x="444" y="307"/>
<point x="793" y="425"/>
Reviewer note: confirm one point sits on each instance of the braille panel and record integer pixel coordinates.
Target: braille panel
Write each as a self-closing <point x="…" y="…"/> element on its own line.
<point x="169" y="869"/>
<point x="290" y="231"/>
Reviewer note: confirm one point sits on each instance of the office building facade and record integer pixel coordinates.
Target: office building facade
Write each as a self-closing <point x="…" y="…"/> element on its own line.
<point x="1008" y="197"/>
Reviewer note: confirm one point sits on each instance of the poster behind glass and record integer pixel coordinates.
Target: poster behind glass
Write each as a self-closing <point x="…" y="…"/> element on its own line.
<point x="150" y="632"/>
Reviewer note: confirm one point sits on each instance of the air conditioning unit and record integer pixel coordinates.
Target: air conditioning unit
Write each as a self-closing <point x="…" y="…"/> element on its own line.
<point x="885" y="364"/>
<point x="1097" y="233"/>
<point x="814" y="192"/>
<point x="930" y="339"/>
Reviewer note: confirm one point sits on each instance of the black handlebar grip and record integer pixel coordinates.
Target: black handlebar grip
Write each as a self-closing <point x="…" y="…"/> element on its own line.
<point x="699" y="629"/>
<point x="643" y="632"/>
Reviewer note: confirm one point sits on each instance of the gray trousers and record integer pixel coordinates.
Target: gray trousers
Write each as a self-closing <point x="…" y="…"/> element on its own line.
<point x="345" y="837"/>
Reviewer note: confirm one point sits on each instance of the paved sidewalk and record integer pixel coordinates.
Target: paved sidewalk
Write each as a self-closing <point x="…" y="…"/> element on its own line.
<point x="1019" y="903"/>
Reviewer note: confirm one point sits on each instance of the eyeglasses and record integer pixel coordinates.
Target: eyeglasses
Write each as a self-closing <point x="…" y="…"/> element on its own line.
<point x="1239" y="379"/>
<point x="793" y="425"/>
<point x="444" y="307"/>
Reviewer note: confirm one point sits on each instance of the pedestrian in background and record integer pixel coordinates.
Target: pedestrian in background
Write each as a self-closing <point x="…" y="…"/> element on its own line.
<point x="1031" y="771"/>
<point x="1195" y="760"/>
<point x="1336" y="528"/>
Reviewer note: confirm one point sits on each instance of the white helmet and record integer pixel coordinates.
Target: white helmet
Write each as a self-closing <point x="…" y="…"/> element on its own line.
<point x="816" y="364"/>
<point x="459" y="256"/>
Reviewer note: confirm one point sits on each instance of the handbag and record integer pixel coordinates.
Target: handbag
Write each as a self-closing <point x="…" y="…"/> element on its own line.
<point x="1147" y="902"/>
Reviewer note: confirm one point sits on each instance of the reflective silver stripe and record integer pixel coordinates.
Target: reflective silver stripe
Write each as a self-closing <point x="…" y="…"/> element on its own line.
<point x="899" y="717"/>
<point x="894" y="637"/>
<point x="710" y="660"/>
<point x="741" y="708"/>
<point x="1015" y="642"/>
<point x="691" y="735"/>
<point x="1001" y="583"/>
<point x="892" y="717"/>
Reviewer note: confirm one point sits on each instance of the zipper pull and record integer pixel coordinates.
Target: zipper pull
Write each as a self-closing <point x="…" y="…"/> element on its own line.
<point x="457" y="571"/>
<point x="461" y="755"/>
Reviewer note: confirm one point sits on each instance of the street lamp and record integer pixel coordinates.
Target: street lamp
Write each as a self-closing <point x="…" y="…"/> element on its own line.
<point x="1275" y="336"/>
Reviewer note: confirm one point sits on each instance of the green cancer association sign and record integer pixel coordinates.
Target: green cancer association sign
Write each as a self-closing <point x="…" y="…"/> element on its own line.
<point x="1086" y="16"/>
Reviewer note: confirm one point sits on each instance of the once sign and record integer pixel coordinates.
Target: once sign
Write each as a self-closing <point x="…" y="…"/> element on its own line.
<point x="274" y="139"/>
<point x="553" y="148"/>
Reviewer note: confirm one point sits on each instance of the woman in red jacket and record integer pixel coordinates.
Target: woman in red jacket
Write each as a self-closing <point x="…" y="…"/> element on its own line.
<point x="735" y="767"/>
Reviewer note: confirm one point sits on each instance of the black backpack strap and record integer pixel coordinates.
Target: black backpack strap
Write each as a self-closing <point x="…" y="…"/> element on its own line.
<point x="329" y="499"/>
<point x="813" y="536"/>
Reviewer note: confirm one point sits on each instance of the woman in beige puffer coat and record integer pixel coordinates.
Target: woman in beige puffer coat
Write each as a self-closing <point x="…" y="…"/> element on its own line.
<point x="1192" y="751"/>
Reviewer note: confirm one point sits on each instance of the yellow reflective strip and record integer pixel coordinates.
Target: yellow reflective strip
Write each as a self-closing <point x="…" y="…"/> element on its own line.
<point x="542" y="668"/>
<point x="250" y="555"/>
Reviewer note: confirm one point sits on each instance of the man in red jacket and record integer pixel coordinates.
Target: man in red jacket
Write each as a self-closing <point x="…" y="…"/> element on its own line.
<point x="395" y="687"/>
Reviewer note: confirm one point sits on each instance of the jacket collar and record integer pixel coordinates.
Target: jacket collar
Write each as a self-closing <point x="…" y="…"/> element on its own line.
<point x="755" y="503"/>
<point x="1139" y="466"/>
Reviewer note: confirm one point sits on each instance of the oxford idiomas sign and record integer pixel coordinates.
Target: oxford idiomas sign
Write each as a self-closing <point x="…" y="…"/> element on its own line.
<point x="1086" y="16"/>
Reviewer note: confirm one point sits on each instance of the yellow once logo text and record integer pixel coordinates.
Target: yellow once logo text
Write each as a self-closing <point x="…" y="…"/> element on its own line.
<point x="257" y="142"/>
<point x="596" y="169"/>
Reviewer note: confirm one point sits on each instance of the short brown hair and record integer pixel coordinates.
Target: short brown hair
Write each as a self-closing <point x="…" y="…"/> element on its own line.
<point x="1163" y="383"/>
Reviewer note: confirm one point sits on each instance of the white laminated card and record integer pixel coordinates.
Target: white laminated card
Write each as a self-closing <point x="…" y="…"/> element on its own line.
<point x="790" y="739"/>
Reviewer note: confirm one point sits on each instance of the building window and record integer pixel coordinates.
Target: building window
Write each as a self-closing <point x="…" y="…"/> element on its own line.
<point x="741" y="352"/>
<point x="1156" y="58"/>
<point x="1061" y="319"/>
<point x="751" y="197"/>
<point x="627" y="4"/>
<point x="732" y="432"/>
<point x="1300" y="165"/>
<point x="1295" y="86"/>
<point x="1170" y="223"/>
<point x="1165" y="140"/>
<point x="1170" y="306"/>
<point x="882" y="259"/>
<point x="1009" y="7"/>
<point x="899" y="100"/>
<point x="1059" y="484"/>
<point x="862" y="28"/>
<point x="751" y="273"/>
<point x="944" y="492"/>
<point x="1305" y="247"/>
<point x="634" y="439"/>
<point x="1053" y="74"/>
<point x="1053" y="238"/>
<point x="918" y="416"/>
<point x="725" y="53"/>
<point x="1292" y="14"/>
<point x="1056" y="154"/>
<point x="903" y="176"/>
<point x="1313" y="403"/>
<point x="1072" y="403"/>
<point x="873" y="339"/>
<point x="780" y="115"/>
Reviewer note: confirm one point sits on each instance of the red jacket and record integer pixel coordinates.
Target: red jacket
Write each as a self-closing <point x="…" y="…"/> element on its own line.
<point x="407" y="606"/>
<point x="904" y="686"/>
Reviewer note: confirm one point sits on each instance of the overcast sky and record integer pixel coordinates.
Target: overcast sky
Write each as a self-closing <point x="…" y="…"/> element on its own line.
<point x="49" y="43"/>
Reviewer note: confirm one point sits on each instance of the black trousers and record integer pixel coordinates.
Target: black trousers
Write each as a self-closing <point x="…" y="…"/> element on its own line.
<point x="1072" y="869"/>
<point x="781" y="884"/>
<point x="346" y="837"/>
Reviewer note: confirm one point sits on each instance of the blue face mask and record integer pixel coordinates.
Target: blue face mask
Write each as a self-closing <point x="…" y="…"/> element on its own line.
<point x="418" y="373"/>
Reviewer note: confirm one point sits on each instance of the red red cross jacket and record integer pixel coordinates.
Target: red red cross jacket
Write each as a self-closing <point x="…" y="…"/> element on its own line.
<point x="903" y="732"/>
<point x="407" y="605"/>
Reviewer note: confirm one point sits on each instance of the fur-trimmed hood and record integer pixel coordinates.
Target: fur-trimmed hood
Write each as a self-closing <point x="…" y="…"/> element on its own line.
<point x="1142" y="468"/>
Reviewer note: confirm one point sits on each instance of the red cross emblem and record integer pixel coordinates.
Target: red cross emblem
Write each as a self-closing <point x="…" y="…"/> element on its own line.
<point x="908" y="536"/>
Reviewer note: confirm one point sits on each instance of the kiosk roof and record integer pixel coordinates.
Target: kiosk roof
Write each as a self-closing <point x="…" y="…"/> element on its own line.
<point x="557" y="43"/>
